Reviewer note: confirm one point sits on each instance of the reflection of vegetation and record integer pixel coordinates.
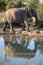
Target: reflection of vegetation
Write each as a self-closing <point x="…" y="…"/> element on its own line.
<point x="7" y="50"/>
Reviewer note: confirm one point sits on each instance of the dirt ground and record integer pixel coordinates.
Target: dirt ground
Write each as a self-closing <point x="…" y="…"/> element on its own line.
<point x="19" y="31"/>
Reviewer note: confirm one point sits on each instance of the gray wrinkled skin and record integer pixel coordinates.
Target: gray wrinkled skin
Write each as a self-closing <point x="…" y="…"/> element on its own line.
<point x="19" y="15"/>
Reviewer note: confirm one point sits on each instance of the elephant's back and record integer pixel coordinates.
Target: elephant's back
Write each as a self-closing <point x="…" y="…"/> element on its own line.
<point x="16" y="13"/>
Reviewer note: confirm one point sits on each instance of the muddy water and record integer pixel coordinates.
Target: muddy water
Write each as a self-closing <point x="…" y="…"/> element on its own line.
<point x="21" y="50"/>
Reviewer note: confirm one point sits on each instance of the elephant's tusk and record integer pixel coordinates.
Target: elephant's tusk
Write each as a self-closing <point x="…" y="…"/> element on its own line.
<point x="33" y="19"/>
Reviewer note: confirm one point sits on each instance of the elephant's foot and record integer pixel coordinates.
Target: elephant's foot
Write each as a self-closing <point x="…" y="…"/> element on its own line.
<point x="28" y="30"/>
<point x="24" y="29"/>
<point x="4" y="29"/>
<point x="38" y="31"/>
<point x="12" y="31"/>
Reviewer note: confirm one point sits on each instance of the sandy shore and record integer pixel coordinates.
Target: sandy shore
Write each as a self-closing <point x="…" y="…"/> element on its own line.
<point x="25" y="33"/>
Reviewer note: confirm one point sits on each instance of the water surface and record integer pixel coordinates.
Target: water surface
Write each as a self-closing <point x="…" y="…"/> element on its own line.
<point x="21" y="50"/>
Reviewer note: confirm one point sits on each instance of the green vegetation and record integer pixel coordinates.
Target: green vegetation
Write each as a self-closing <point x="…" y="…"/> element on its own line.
<point x="2" y="5"/>
<point x="40" y="13"/>
<point x="6" y="4"/>
<point x="32" y="3"/>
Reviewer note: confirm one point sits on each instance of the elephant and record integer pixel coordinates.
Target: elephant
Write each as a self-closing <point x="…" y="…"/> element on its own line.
<point x="20" y="15"/>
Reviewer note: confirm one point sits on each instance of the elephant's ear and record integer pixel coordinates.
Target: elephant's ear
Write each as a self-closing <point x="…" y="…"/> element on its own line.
<point x="28" y="11"/>
<point x="34" y="19"/>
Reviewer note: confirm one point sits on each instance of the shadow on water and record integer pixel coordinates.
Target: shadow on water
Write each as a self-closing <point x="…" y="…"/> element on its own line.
<point x="21" y="50"/>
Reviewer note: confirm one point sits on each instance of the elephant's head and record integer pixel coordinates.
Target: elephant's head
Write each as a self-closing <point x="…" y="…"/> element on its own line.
<point x="31" y="12"/>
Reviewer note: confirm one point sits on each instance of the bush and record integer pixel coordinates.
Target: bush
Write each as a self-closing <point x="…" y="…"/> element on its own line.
<point x="32" y="3"/>
<point x="9" y="5"/>
<point x="17" y="4"/>
<point x="12" y="5"/>
<point x="2" y="5"/>
<point x="40" y="13"/>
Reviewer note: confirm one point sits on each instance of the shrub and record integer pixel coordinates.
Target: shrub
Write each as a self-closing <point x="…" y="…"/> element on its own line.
<point x="9" y="5"/>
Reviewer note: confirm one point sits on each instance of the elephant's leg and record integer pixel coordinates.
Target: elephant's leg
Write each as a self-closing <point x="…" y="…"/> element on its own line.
<point x="11" y="28"/>
<point x="10" y="24"/>
<point x="35" y="21"/>
<point x="26" y="24"/>
<point x="38" y="25"/>
<point x="5" y="25"/>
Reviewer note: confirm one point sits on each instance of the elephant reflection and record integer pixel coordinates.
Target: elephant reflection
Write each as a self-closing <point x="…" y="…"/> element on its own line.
<point x="21" y="44"/>
<point x="18" y="44"/>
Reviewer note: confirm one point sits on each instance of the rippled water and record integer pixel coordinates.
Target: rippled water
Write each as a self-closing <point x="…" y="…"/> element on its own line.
<point x="21" y="50"/>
